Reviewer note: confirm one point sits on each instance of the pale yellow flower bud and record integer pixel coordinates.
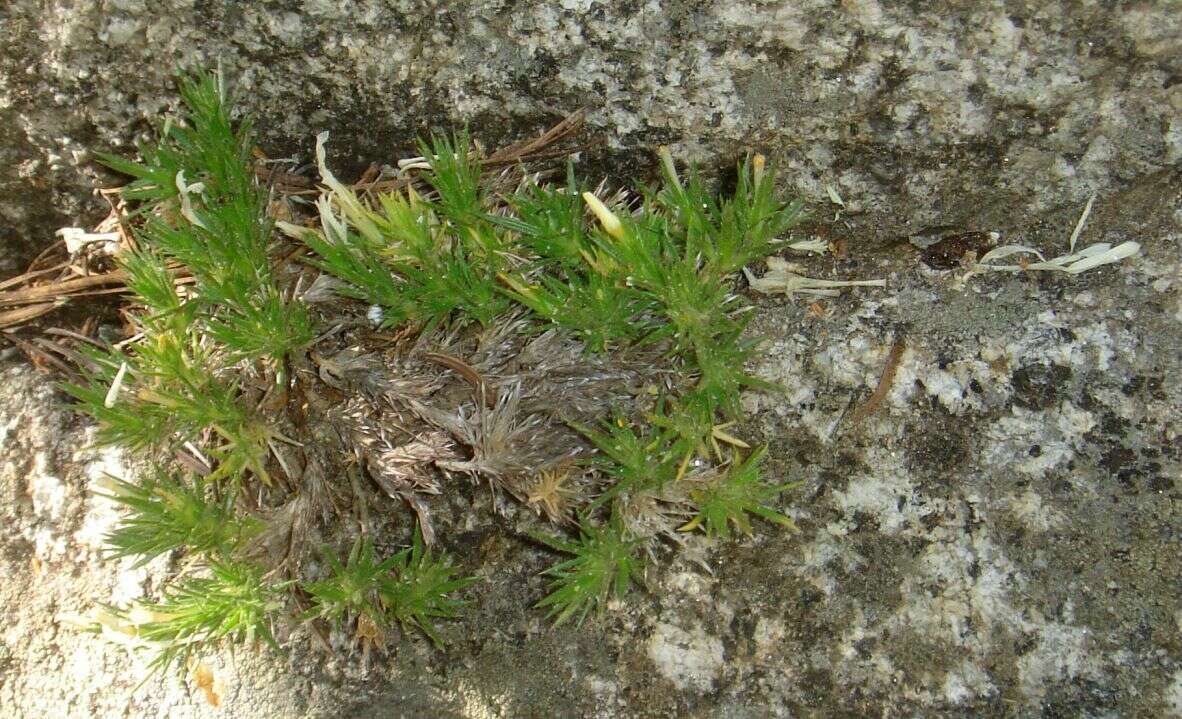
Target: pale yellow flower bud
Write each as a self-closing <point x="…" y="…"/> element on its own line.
<point x="611" y="223"/>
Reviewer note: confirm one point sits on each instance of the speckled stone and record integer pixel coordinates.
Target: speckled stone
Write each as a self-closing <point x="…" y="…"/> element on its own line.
<point x="981" y="113"/>
<point x="1000" y="538"/>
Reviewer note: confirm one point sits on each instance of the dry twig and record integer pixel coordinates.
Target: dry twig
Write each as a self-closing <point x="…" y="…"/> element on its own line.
<point x="884" y="383"/>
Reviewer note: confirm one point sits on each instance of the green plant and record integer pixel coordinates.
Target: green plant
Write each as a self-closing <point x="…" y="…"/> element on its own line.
<point x="214" y="224"/>
<point x="595" y="308"/>
<point x="167" y="394"/>
<point x="204" y="144"/>
<point x="183" y="388"/>
<point x="234" y="604"/>
<point x="410" y="587"/>
<point x="352" y="591"/>
<point x="166" y="514"/>
<point x="634" y="462"/>
<point x="425" y="260"/>
<point x="603" y="565"/>
<point x="263" y="410"/>
<point x="420" y="588"/>
<point x="658" y="276"/>
<point x="733" y="495"/>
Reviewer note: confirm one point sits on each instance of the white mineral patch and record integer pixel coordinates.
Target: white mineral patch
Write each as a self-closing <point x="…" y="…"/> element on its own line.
<point x="690" y="659"/>
<point x="852" y="363"/>
<point x="1074" y="423"/>
<point x="101" y="513"/>
<point x="47" y="545"/>
<point x="6" y="428"/>
<point x="1062" y="653"/>
<point x="474" y="703"/>
<point x="879" y="494"/>
<point x="1095" y="347"/>
<point x="950" y="389"/>
<point x="868" y="13"/>
<point x="121" y="31"/>
<point x="769" y="633"/>
<point x="1173" y="698"/>
<point x="962" y="600"/>
<point x="906" y="372"/>
<point x="129" y="580"/>
<point x="1033" y="512"/>
<point x="815" y="558"/>
<point x="689" y="583"/>
<point x="967" y="682"/>
<point x="784" y="26"/>
<point x="1011" y="438"/>
<point x="607" y="691"/>
<point x="47" y="491"/>
<point x="782" y="365"/>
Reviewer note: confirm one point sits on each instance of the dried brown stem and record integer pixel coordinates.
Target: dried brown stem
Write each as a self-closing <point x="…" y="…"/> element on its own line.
<point x="28" y="313"/>
<point x="533" y="149"/>
<point x="468" y="372"/>
<point x="62" y="289"/>
<point x="31" y="275"/>
<point x="884" y="383"/>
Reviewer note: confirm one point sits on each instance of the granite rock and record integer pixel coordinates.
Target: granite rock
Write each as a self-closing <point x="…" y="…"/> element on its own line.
<point x="982" y="112"/>
<point x="999" y="538"/>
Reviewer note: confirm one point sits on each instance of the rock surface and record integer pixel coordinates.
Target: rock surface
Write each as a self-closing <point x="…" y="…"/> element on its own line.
<point x="973" y="114"/>
<point x="1000" y="538"/>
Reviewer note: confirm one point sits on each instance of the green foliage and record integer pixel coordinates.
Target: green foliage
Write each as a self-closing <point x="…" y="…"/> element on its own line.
<point x="661" y="274"/>
<point x="224" y="244"/>
<point x="550" y="222"/>
<point x="418" y="591"/>
<point x="597" y="309"/>
<point x="430" y="261"/>
<point x="353" y="589"/>
<point x="604" y="565"/>
<point x="698" y="310"/>
<point x="168" y="395"/>
<point x="210" y="218"/>
<point x="444" y="284"/>
<point x="166" y="514"/>
<point x="410" y="588"/>
<point x="153" y="285"/>
<point x="455" y="177"/>
<point x="129" y="424"/>
<point x="653" y="272"/>
<point x="203" y="144"/>
<point x="722" y="375"/>
<point x="234" y="604"/>
<point x="204" y="215"/>
<point x="687" y="422"/>
<point x="357" y="260"/>
<point x="739" y="492"/>
<point x="634" y="462"/>
<point x="733" y="232"/>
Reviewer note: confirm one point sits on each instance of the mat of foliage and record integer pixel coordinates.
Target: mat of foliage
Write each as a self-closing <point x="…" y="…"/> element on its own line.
<point x="311" y="379"/>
